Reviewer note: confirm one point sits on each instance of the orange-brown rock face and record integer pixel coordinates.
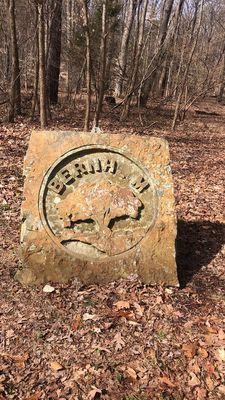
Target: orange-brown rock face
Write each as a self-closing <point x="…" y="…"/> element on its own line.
<point x="98" y="208"/>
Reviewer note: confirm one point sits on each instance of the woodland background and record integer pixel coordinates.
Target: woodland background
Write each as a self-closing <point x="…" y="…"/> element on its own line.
<point x="138" y="67"/>
<point x="121" y="52"/>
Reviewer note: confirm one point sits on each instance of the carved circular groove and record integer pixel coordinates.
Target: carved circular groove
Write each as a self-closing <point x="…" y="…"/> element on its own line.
<point x="96" y="202"/>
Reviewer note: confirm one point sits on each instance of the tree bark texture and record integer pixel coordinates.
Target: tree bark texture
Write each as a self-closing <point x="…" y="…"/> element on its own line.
<point x="36" y="70"/>
<point x="122" y="59"/>
<point x="194" y="39"/>
<point x="222" y="82"/>
<point x="140" y="34"/>
<point x="42" y="69"/>
<point x="166" y="14"/>
<point x="102" y="66"/>
<point x="15" y="94"/>
<point x="54" y="53"/>
<point x="88" y="67"/>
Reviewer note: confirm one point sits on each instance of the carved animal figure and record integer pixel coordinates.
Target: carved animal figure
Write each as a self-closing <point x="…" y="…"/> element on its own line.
<point x="100" y="202"/>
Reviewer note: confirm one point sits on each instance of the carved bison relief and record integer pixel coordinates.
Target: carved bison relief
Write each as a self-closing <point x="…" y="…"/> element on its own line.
<point x="90" y="213"/>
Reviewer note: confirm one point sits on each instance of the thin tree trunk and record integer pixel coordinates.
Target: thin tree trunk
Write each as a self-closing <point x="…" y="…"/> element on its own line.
<point x="178" y="13"/>
<point x="80" y="78"/>
<point x="185" y="75"/>
<point x="222" y="82"/>
<point x="88" y="67"/>
<point x="102" y="67"/>
<point x="15" y="94"/>
<point x="163" y="79"/>
<point x="166" y="14"/>
<point x="122" y="59"/>
<point x="68" y="42"/>
<point x="42" y="72"/>
<point x="109" y="61"/>
<point x="36" y="71"/>
<point x="141" y="27"/>
<point x="54" y="54"/>
<point x="35" y="94"/>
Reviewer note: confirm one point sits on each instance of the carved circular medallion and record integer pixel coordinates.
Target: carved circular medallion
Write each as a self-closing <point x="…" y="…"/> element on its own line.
<point x="97" y="202"/>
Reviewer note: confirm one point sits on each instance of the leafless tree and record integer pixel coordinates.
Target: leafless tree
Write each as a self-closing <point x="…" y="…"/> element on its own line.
<point x="156" y="51"/>
<point x="42" y="66"/>
<point x="54" y="52"/>
<point x="122" y="58"/>
<point x="101" y="88"/>
<point x="88" y="66"/>
<point x="142" y="10"/>
<point x="15" y="95"/>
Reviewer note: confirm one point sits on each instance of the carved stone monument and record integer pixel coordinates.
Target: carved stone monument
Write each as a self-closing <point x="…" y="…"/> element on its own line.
<point x="97" y="207"/>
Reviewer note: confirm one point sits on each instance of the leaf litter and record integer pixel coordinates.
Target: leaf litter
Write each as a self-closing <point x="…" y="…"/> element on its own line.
<point x="123" y="340"/>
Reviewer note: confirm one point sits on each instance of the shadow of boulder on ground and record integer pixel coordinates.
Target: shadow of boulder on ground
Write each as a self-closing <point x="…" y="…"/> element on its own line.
<point x="197" y="244"/>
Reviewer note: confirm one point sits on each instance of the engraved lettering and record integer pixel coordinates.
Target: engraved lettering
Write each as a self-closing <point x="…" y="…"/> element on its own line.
<point x="56" y="185"/>
<point x="90" y="167"/>
<point x="111" y="166"/>
<point x="140" y="184"/>
<point x="80" y="170"/>
<point x="94" y="166"/>
<point x="65" y="176"/>
<point x="97" y="165"/>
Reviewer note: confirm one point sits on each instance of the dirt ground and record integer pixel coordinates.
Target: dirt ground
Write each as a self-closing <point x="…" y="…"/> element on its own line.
<point x="123" y="341"/>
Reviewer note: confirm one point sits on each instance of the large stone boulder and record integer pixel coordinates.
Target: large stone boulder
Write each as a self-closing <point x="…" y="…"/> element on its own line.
<point x="98" y="208"/>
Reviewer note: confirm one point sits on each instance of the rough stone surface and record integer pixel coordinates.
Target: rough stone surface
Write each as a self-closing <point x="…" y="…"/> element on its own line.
<point x="97" y="207"/>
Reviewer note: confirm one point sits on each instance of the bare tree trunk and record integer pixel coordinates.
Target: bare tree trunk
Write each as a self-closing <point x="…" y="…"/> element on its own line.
<point x="80" y="79"/>
<point x="54" y="54"/>
<point x="140" y="35"/>
<point x="109" y="61"/>
<point x="36" y="72"/>
<point x="68" y="42"/>
<point x="178" y="13"/>
<point x="88" y="67"/>
<point x="15" y="94"/>
<point x="166" y="14"/>
<point x="163" y="78"/>
<point x="42" y="72"/>
<point x="165" y="21"/>
<point x="122" y="59"/>
<point x="102" y="66"/>
<point x="185" y="75"/>
<point x="35" y="93"/>
<point x="222" y="82"/>
<point x="6" y="47"/>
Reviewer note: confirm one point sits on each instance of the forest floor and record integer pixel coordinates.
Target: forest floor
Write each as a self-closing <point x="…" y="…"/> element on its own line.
<point x="124" y="340"/>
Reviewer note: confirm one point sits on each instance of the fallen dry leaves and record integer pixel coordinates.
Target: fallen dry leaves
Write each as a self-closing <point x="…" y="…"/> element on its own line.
<point x="122" y="304"/>
<point x="124" y="340"/>
<point x="119" y="342"/>
<point x="55" y="366"/>
<point x="194" y="381"/>
<point x="167" y="381"/>
<point x="76" y="322"/>
<point x="93" y="392"/>
<point x="131" y="373"/>
<point x="35" y="396"/>
<point x="190" y="349"/>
